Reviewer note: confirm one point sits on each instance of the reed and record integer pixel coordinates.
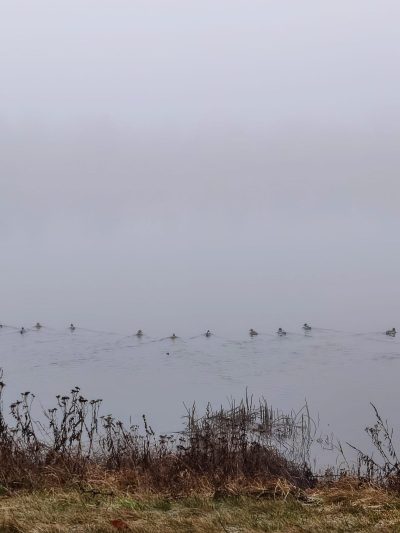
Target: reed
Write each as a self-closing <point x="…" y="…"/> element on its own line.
<point x="382" y="465"/>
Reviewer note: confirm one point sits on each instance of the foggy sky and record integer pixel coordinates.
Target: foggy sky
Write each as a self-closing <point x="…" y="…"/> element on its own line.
<point x="179" y="166"/>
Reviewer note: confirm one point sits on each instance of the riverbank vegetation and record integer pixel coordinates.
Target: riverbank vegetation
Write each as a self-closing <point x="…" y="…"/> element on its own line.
<point x="241" y="468"/>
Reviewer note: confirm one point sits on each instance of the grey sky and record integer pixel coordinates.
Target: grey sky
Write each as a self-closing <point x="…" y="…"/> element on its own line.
<point x="200" y="164"/>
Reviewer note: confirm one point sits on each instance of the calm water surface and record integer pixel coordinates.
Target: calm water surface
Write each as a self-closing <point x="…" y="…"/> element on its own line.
<point x="338" y="373"/>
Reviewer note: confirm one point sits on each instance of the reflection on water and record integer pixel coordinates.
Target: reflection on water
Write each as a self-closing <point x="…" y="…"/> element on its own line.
<point x="337" y="373"/>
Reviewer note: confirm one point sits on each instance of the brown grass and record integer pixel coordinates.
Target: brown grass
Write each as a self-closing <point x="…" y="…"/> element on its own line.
<point x="344" y="507"/>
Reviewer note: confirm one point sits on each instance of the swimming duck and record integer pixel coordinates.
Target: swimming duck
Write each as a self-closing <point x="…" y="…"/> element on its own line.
<point x="306" y="327"/>
<point x="173" y="336"/>
<point x="72" y="327"/>
<point x="252" y="332"/>
<point x="392" y="332"/>
<point x="139" y="333"/>
<point x="38" y="325"/>
<point x="281" y="332"/>
<point x="22" y="330"/>
<point x="207" y="333"/>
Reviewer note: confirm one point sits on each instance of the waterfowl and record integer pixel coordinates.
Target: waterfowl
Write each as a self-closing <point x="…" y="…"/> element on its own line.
<point x="392" y="332"/>
<point x="38" y="325"/>
<point x="207" y="333"/>
<point x="22" y="330"/>
<point x="306" y="327"/>
<point x="252" y="332"/>
<point x="139" y="333"/>
<point x="281" y="332"/>
<point x="72" y="327"/>
<point x="173" y="336"/>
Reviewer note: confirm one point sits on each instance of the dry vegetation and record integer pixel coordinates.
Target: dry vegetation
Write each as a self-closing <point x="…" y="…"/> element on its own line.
<point x="245" y="444"/>
<point x="245" y="468"/>
<point x="342" y="508"/>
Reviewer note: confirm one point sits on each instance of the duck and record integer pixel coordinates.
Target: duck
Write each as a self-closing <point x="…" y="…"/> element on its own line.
<point x="173" y="336"/>
<point x="252" y="332"/>
<point x="306" y="327"/>
<point x="281" y="332"/>
<point x="207" y="333"/>
<point x="38" y="325"/>
<point x="22" y="330"/>
<point x="139" y="333"/>
<point x="72" y="327"/>
<point x="392" y="332"/>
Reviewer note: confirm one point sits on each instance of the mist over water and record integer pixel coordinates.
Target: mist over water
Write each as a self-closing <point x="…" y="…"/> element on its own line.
<point x="201" y="166"/>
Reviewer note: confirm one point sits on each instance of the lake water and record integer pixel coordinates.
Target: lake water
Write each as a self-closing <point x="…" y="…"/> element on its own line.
<point x="338" y="373"/>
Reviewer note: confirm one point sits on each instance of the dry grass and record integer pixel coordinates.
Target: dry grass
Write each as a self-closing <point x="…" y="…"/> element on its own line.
<point x="342" y="507"/>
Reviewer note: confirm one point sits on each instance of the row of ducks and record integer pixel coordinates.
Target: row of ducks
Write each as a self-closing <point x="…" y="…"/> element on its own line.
<point x="252" y="332"/>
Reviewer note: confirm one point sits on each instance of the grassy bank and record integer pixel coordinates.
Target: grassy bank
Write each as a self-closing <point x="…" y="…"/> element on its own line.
<point x="343" y="507"/>
<point x="243" y="468"/>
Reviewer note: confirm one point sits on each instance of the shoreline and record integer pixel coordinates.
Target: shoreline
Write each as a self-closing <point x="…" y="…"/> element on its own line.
<point x="242" y="468"/>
